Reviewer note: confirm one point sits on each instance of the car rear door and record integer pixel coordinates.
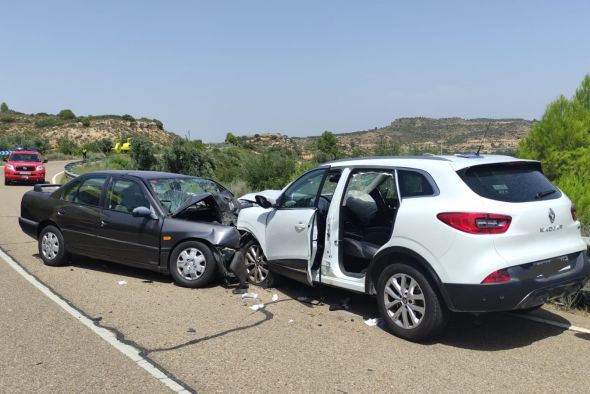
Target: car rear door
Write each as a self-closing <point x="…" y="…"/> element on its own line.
<point x="78" y="213"/>
<point x="128" y="239"/>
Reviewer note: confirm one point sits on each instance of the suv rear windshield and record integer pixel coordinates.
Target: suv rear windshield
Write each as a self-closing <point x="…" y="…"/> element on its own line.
<point x="510" y="182"/>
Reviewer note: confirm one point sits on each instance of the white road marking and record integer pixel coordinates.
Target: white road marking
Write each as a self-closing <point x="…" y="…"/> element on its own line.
<point x="552" y="323"/>
<point x="128" y="350"/>
<point x="54" y="179"/>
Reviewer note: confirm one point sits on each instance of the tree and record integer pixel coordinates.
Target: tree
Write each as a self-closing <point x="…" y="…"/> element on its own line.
<point x="561" y="140"/>
<point x="270" y="170"/>
<point x="104" y="145"/>
<point x="4" y="108"/>
<point x="66" y="146"/>
<point x="66" y="114"/>
<point x="327" y="146"/>
<point x="230" y="138"/>
<point x="143" y="152"/>
<point x="386" y="147"/>
<point x="182" y="157"/>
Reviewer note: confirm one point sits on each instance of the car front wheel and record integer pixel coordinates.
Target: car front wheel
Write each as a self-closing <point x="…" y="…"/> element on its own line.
<point x="192" y="264"/>
<point x="409" y="305"/>
<point x="257" y="266"/>
<point x="52" y="247"/>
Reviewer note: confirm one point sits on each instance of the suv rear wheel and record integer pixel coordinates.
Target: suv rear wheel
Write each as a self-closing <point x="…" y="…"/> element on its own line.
<point x="409" y="304"/>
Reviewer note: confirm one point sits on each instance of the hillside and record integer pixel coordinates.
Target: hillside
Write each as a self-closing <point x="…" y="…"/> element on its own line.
<point x="418" y="134"/>
<point x="82" y="130"/>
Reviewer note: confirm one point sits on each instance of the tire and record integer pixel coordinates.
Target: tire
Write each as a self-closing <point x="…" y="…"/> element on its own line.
<point x="192" y="264"/>
<point x="52" y="247"/>
<point x="257" y="266"/>
<point x="417" y="313"/>
<point x="6" y="182"/>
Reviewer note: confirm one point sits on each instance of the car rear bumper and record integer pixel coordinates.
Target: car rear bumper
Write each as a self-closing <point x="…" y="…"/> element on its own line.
<point x="526" y="289"/>
<point x="29" y="227"/>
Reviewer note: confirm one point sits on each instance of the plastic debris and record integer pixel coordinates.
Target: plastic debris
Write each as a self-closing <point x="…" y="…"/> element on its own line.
<point x="372" y="322"/>
<point x="291" y="321"/>
<point x="190" y="329"/>
<point x="275" y="297"/>
<point x="256" y="307"/>
<point x="250" y="295"/>
<point x="303" y="299"/>
<point x="122" y="282"/>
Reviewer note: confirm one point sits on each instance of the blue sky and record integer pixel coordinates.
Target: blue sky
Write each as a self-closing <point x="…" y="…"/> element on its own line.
<point x="296" y="67"/>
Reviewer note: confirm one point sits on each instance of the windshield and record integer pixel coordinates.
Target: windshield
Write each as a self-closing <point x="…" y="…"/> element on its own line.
<point x="25" y="157"/>
<point x="172" y="192"/>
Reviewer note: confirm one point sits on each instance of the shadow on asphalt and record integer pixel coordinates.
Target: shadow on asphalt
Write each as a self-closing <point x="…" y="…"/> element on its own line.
<point x="483" y="332"/>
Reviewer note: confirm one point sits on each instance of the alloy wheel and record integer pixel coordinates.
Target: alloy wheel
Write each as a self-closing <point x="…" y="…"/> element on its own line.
<point x="404" y="301"/>
<point x="256" y="264"/>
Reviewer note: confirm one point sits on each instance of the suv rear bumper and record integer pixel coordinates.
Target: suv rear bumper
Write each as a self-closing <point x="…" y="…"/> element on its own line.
<point x="523" y="291"/>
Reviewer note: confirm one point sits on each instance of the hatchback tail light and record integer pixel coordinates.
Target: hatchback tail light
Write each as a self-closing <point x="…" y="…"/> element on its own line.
<point x="476" y="223"/>
<point x="574" y="212"/>
<point x="497" y="276"/>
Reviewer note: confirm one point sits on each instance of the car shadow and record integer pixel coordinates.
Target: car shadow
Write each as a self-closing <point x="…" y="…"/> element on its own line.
<point x="480" y="332"/>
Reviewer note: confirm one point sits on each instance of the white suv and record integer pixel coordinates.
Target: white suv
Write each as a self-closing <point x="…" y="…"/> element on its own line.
<point x="429" y="234"/>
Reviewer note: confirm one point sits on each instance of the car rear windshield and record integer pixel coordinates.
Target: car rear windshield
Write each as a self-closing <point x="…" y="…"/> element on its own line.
<point x="510" y="182"/>
<point x="25" y="157"/>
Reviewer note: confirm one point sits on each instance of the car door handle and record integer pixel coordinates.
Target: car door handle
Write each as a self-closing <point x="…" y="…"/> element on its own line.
<point x="300" y="226"/>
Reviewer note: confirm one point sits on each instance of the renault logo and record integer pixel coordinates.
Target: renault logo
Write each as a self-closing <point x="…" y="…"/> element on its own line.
<point x="551" y="215"/>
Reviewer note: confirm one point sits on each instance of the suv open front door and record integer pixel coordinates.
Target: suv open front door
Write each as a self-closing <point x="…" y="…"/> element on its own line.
<point x="294" y="219"/>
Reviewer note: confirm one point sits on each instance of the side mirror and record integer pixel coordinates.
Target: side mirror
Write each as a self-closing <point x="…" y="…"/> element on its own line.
<point x="45" y="161"/>
<point x="142" y="212"/>
<point x="264" y="202"/>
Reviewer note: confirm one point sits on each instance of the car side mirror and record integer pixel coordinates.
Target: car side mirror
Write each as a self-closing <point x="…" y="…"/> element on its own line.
<point x="265" y="202"/>
<point x="142" y="212"/>
<point x="45" y="161"/>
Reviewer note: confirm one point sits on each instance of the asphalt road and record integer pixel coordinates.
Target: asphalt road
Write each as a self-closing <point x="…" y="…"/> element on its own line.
<point x="211" y="340"/>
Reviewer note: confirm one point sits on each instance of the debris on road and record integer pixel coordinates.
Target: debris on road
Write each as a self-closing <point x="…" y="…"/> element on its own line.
<point x="256" y="307"/>
<point x="275" y="297"/>
<point x="303" y="299"/>
<point x="291" y="321"/>
<point x="341" y="306"/>
<point x="190" y="329"/>
<point x="122" y="282"/>
<point x="250" y="295"/>
<point x="372" y="322"/>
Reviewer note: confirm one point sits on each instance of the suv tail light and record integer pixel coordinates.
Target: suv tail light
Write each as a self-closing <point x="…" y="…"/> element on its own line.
<point x="497" y="276"/>
<point x="476" y="223"/>
<point x="574" y="212"/>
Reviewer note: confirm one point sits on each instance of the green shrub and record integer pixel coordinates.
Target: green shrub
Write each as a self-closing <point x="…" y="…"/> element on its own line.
<point x="159" y="124"/>
<point x="85" y="121"/>
<point x="4" y="108"/>
<point x="182" y="157"/>
<point x="128" y="118"/>
<point x="269" y="170"/>
<point x="143" y="152"/>
<point x="47" y="122"/>
<point x="66" y="146"/>
<point x="66" y="114"/>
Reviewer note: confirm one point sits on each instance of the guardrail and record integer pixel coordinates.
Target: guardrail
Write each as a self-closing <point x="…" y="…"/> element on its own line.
<point x="69" y="168"/>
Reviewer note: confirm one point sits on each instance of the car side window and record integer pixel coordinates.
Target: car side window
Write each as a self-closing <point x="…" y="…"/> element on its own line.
<point x="303" y="192"/>
<point x="69" y="191"/>
<point x="125" y="195"/>
<point x="89" y="191"/>
<point x="414" y="184"/>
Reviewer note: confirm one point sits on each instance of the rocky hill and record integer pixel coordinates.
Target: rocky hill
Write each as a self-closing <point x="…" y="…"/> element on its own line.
<point x="82" y="129"/>
<point x="452" y="135"/>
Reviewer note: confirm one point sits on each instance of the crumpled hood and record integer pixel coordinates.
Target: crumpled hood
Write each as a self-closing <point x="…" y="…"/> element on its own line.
<point x="226" y="208"/>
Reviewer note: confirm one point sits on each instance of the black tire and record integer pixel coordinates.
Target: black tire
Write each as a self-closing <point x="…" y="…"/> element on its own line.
<point x="6" y="182"/>
<point x="198" y="262"/>
<point x="52" y="247"/>
<point x="400" y="321"/>
<point x="257" y="266"/>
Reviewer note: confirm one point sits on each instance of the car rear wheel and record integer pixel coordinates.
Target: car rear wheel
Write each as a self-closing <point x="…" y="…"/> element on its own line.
<point x="192" y="264"/>
<point x="409" y="305"/>
<point x="257" y="266"/>
<point x="52" y="247"/>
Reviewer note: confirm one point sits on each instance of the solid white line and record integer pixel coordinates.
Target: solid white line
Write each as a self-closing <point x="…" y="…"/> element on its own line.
<point x="552" y="323"/>
<point x="53" y="180"/>
<point x="130" y="351"/>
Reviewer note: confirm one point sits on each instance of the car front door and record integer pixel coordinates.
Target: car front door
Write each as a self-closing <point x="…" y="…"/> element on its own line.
<point x="78" y="214"/>
<point x="126" y="238"/>
<point x="291" y="228"/>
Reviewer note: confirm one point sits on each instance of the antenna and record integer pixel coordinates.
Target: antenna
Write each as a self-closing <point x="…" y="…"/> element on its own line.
<point x="483" y="139"/>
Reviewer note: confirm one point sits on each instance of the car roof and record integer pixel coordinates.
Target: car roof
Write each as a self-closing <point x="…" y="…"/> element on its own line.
<point x="456" y="162"/>
<point x="26" y="152"/>
<point x="141" y="174"/>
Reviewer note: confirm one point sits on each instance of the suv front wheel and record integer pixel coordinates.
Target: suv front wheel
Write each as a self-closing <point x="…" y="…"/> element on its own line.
<point x="408" y="303"/>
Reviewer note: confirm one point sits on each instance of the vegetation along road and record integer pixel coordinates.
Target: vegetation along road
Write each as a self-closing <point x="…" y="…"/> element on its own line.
<point x="210" y="340"/>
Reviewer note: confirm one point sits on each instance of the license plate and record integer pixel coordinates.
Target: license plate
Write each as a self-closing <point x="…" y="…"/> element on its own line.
<point x="24" y="176"/>
<point x="547" y="268"/>
<point x="25" y="173"/>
